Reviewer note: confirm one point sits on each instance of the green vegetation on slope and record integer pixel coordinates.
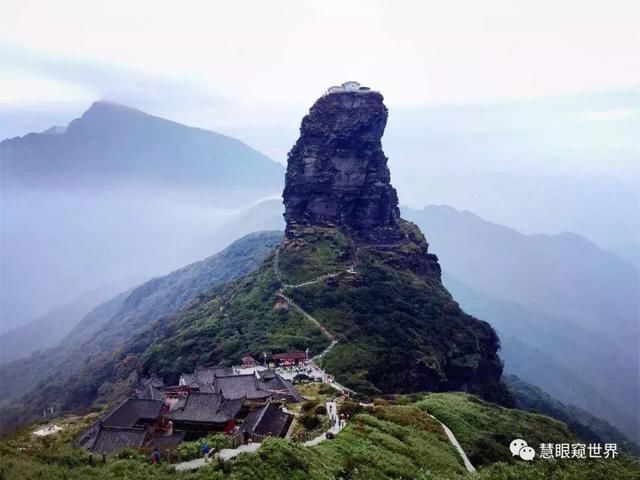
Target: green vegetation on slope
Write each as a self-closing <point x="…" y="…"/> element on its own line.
<point x="485" y="430"/>
<point x="386" y="442"/>
<point x="317" y="252"/>
<point x="232" y="321"/>
<point x="395" y="439"/>
<point x="399" y="330"/>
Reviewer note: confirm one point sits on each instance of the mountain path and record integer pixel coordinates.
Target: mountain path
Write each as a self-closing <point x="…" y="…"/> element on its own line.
<point x="452" y="438"/>
<point x="228" y="453"/>
<point x="454" y="441"/>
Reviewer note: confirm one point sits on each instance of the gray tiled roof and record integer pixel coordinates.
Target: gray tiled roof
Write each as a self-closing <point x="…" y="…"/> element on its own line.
<point x="239" y="386"/>
<point x="113" y="439"/>
<point x="267" y="420"/>
<point x="132" y="411"/>
<point x="283" y="389"/>
<point x="206" y="408"/>
<point x="205" y="376"/>
<point x="151" y="389"/>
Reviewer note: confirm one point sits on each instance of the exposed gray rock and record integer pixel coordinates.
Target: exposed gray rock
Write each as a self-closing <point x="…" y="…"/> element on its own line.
<point x="337" y="173"/>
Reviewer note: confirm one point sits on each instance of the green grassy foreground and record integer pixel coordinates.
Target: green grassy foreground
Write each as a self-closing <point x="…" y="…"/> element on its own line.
<point x="396" y="439"/>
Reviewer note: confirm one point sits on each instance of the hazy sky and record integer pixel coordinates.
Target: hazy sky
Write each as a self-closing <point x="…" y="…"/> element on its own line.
<point x="279" y="52"/>
<point x="526" y="112"/>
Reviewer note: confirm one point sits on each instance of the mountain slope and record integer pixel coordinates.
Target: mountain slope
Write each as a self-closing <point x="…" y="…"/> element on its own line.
<point x="48" y="330"/>
<point x="112" y="142"/>
<point x="562" y="275"/>
<point x="565" y="309"/>
<point x="587" y="426"/>
<point x="166" y="295"/>
<point x="70" y="374"/>
<point x="570" y="362"/>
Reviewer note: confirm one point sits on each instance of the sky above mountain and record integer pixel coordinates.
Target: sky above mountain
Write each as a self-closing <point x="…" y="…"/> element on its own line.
<point x="527" y="113"/>
<point x="285" y="52"/>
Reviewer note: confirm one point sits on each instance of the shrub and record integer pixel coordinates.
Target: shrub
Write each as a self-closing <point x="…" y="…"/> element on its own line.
<point x="301" y="378"/>
<point x="321" y="410"/>
<point x="191" y="450"/>
<point x="309" y="422"/>
<point x="349" y="409"/>
<point x="309" y="405"/>
<point x="325" y="389"/>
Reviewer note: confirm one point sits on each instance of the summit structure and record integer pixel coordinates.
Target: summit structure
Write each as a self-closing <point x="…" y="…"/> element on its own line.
<point x="337" y="173"/>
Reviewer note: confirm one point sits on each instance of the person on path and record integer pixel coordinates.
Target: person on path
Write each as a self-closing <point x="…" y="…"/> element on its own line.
<point x="206" y="451"/>
<point x="155" y="456"/>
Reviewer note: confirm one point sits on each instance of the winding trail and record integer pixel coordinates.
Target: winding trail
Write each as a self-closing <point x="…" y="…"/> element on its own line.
<point x="454" y="441"/>
<point x="227" y="454"/>
<point x="280" y="294"/>
<point x="334" y="340"/>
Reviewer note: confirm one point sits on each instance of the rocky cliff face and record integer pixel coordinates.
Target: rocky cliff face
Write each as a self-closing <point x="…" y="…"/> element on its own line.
<point x="398" y="328"/>
<point x="337" y="173"/>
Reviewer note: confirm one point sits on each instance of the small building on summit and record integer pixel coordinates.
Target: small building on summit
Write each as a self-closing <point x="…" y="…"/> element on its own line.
<point x="349" y="86"/>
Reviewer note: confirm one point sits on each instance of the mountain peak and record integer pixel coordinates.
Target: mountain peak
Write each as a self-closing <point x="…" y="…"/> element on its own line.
<point x="109" y="106"/>
<point x="337" y="173"/>
<point x="55" y="130"/>
<point x="104" y="109"/>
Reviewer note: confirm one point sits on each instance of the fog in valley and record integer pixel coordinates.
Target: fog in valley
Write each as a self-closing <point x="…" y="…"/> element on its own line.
<point x="561" y="164"/>
<point x="58" y="244"/>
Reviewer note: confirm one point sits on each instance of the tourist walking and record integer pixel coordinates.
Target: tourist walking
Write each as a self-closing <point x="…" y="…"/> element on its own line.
<point x="206" y="451"/>
<point x="155" y="456"/>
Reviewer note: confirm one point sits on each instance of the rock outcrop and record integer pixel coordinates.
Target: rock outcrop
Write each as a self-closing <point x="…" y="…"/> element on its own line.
<point x="398" y="328"/>
<point x="337" y="173"/>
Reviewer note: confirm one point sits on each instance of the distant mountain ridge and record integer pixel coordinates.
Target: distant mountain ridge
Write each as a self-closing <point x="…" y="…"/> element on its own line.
<point x="116" y="183"/>
<point x="81" y="369"/>
<point x="48" y="330"/>
<point x="112" y="142"/>
<point x="566" y="310"/>
<point x="546" y="261"/>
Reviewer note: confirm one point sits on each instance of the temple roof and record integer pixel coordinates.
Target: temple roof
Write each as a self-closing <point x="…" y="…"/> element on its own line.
<point x="112" y="439"/>
<point x="206" y="408"/>
<point x="240" y="386"/>
<point x="204" y="376"/>
<point x="132" y="411"/>
<point x="151" y="389"/>
<point x="267" y="420"/>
